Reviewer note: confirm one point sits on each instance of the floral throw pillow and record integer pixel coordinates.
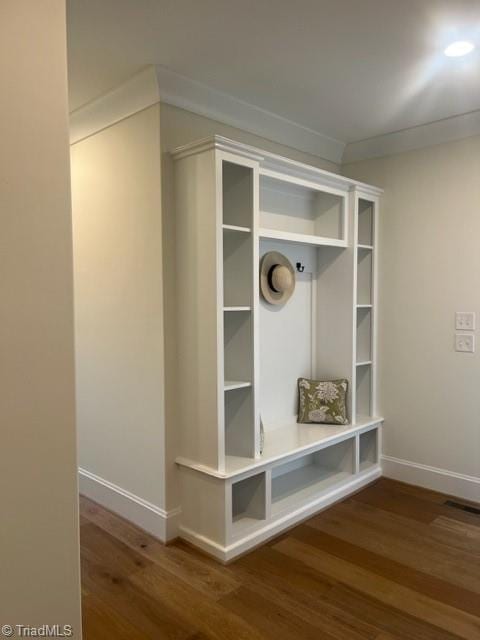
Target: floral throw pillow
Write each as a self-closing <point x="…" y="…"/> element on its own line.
<point x="322" y="401"/>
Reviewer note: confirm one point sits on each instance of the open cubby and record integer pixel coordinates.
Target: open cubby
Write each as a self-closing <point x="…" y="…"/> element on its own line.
<point x="239" y="422"/>
<point x="237" y="269"/>
<point x="368" y="454"/>
<point x="298" y="209"/>
<point x="238" y="348"/>
<point x="248" y="501"/>
<point x="364" y="391"/>
<point x="364" y="335"/>
<point x="237" y="189"/>
<point x="364" y="277"/>
<point x="308" y="476"/>
<point x="365" y="222"/>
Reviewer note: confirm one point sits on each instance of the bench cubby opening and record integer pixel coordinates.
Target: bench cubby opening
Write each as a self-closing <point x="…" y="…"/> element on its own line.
<point x="248" y="502"/>
<point x="306" y="477"/>
<point x="368" y="454"/>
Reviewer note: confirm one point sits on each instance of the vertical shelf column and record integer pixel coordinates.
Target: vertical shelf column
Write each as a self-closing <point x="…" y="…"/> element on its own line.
<point x="365" y="304"/>
<point x="239" y="205"/>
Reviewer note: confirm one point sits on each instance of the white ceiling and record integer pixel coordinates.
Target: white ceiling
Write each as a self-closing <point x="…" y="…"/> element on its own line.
<point x="350" y="69"/>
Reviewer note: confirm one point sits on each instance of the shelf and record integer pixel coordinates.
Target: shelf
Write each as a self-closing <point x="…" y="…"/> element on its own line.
<point x="238" y="357"/>
<point x="365" y="247"/>
<point x="368" y="453"/>
<point x="243" y="524"/>
<point x="304" y="208"/>
<point x="303" y="484"/>
<point x="231" y="309"/>
<point x="366" y="363"/>
<point x="364" y="390"/>
<point x="365" y="277"/>
<point x="237" y="269"/>
<point x="365" y="222"/>
<point x="311" y="475"/>
<point x="301" y="238"/>
<point x="295" y="438"/>
<point x="364" y="335"/>
<point x="285" y="442"/>
<point x="234" y="228"/>
<point x="366" y="465"/>
<point x="239" y="421"/>
<point x="230" y="385"/>
<point x="248" y="503"/>
<point x="368" y="421"/>
<point x="237" y="195"/>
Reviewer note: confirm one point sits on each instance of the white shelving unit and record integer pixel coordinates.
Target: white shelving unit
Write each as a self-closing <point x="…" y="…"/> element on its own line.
<point x="239" y="358"/>
<point x="365" y="229"/>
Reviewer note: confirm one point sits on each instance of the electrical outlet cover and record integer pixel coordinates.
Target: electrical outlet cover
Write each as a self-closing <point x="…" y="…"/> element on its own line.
<point x="465" y="321"/>
<point x="465" y="342"/>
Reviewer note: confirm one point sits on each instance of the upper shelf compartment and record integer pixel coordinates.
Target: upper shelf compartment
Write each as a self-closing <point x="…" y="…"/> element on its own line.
<point x="365" y="224"/>
<point x="301" y="212"/>
<point x="237" y="188"/>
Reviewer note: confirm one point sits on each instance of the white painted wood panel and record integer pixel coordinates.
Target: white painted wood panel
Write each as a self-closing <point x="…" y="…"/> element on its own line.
<point x="198" y="282"/>
<point x="286" y="341"/>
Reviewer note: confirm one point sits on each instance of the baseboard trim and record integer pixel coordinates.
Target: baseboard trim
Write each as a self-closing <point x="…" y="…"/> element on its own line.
<point x="255" y="538"/>
<point x="450" y="482"/>
<point x="160" y="523"/>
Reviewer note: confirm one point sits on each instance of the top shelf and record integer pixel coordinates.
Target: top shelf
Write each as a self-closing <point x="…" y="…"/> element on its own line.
<point x="301" y="238"/>
<point x="365" y="224"/>
<point x="235" y="228"/>
<point x="296" y="210"/>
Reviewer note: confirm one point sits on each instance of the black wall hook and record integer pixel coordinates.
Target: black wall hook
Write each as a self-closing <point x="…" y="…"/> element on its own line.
<point x="300" y="267"/>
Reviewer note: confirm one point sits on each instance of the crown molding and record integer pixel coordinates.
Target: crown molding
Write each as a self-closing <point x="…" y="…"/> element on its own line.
<point x="158" y="84"/>
<point x="138" y="93"/>
<point x="273" y="164"/>
<point x="426" y="135"/>
<point x="194" y="96"/>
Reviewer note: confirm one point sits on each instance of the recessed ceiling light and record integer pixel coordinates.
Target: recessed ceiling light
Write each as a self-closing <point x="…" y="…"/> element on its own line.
<point x="459" y="48"/>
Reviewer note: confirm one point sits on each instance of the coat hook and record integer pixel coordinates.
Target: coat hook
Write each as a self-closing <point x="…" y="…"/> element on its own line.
<point x="300" y="267"/>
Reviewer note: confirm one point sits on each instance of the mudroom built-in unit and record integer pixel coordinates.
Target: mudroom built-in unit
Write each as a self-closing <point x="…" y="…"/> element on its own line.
<point x="276" y="287"/>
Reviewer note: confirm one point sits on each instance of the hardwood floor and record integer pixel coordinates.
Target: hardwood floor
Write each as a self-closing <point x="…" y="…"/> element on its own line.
<point x="390" y="563"/>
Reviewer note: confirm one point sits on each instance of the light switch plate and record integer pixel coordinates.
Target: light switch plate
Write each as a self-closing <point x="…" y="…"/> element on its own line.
<point x="465" y="320"/>
<point x="465" y="342"/>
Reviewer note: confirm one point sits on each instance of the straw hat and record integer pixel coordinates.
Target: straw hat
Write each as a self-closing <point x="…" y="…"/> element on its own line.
<point x="277" y="278"/>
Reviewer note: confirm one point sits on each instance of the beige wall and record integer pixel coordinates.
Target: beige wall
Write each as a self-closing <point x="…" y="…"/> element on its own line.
<point x="179" y="127"/>
<point x="429" y="268"/>
<point x="119" y="305"/>
<point x="39" y="568"/>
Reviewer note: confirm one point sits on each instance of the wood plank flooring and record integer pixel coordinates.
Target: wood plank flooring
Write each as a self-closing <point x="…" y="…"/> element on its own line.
<point x="392" y="562"/>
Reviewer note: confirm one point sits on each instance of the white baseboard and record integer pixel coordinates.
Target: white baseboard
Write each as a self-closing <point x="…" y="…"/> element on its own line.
<point x="259" y="536"/>
<point x="455" y="484"/>
<point x="153" y="519"/>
